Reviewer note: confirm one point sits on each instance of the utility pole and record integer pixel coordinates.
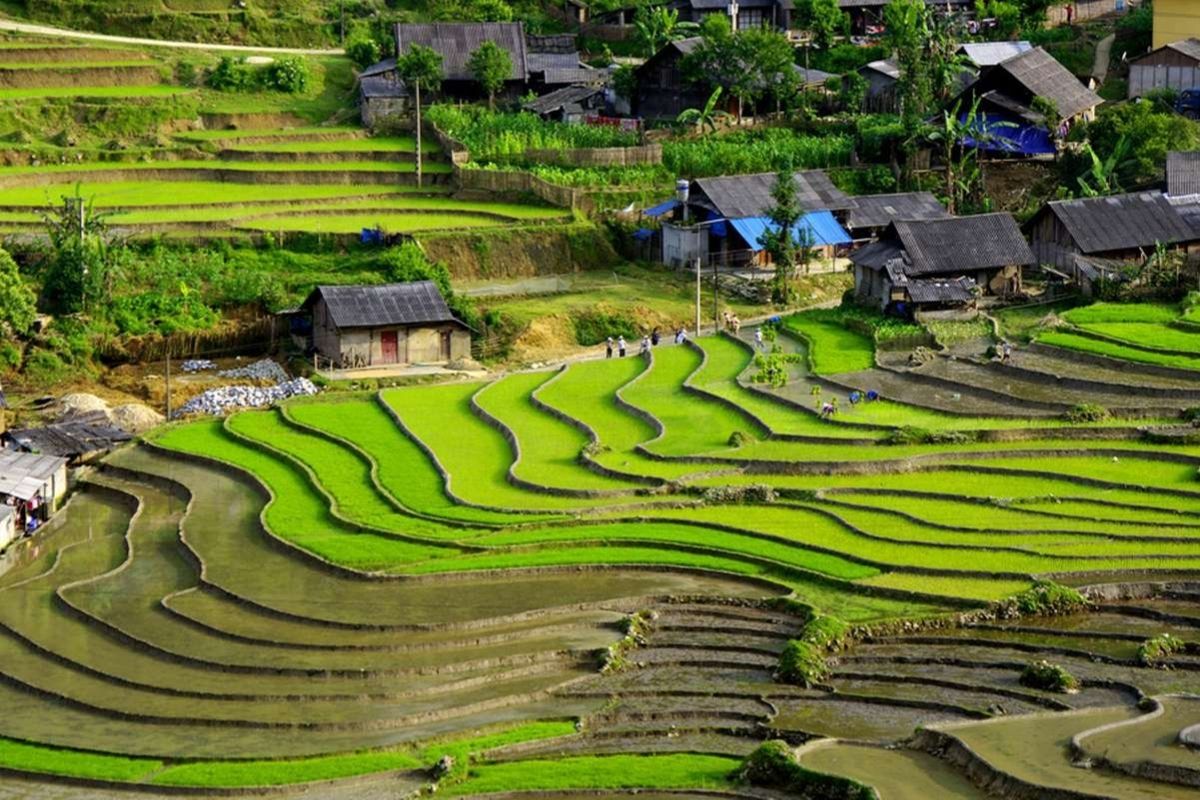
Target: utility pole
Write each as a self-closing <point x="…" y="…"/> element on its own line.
<point x="168" y="346"/>
<point x="697" y="331"/>
<point x="716" y="300"/>
<point x="417" y="90"/>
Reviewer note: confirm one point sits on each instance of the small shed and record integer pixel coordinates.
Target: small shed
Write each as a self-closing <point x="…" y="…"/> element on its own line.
<point x="33" y="486"/>
<point x="944" y="259"/>
<point x="661" y="89"/>
<point x="1120" y="227"/>
<point x="872" y="213"/>
<point x="78" y="438"/>
<point x="568" y="104"/>
<point x="882" y="78"/>
<point x="381" y="97"/>
<point x="396" y="323"/>
<point x="1172" y="66"/>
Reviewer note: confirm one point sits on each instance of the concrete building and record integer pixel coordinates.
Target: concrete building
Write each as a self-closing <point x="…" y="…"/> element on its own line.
<point x="397" y="323"/>
<point x="32" y="486"/>
<point x="1175" y="20"/>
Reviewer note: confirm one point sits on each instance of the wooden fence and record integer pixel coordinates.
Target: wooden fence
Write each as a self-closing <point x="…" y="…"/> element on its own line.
<point x="256" y="336"/>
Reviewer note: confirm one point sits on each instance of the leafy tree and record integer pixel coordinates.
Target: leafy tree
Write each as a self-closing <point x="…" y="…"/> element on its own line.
<point x="1102" y="176"/>
<point x="491" y="66"/>
<point x="706" y="117"/>
<point x="779" y="241"/>
<point x="363" y="50"/>
<point x="656" y="26"/>
<point x="852" y="91"/>
<point x="18" y="304"/>
<point x="74" y="273"/>
<point x="624" y="81"/>
<point x="824" y="19"/>
<point x="963" y="174"/>
<point x="289" y="74"/>
<point x="1155" y="132"/>
<point x="748" y="64"/>
<point x="420" y="68"/>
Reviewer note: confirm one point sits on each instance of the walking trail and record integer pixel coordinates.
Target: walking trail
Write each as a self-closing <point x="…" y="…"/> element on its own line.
<point x="44" y="30"/>
<point x="1103" y="58"/>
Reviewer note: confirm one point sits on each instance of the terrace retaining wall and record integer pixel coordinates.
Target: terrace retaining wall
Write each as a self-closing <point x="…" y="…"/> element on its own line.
<point x="1113" y="363"/>
<point x="1147" y="770"/>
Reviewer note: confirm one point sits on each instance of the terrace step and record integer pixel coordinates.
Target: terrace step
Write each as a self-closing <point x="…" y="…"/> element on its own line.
<point x="345" y="156"/>
<point x="60" y="77"/>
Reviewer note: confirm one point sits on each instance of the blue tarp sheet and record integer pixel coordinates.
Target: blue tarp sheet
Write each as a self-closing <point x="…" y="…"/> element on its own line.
<point x="664" y="207"/>
<point x="642" y="234"/>
<point x="820" y="228"/>
<point x="1007" y="135"/>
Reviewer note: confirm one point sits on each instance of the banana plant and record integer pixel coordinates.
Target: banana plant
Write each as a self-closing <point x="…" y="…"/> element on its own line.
<point x="706" y="117"/>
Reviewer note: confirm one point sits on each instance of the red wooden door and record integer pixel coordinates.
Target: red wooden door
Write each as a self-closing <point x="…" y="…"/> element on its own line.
<point x="387" y="342"/>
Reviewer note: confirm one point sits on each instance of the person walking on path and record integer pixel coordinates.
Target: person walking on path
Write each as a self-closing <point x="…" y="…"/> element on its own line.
<point x="645" y="345"/>
<point x="621" y="346"/>
<point x="736" y="323"/>
<point x="608" y="348"/>
<point x="681" y="337"/>
<point x="654" y="338"/>
<point x="758" y="339"/>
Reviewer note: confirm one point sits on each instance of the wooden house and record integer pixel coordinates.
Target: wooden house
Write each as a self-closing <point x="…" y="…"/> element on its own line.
<point x="397" y="323"/>
<point x="1121" y="227"/>
<point x="1009" y="122"/>
<point x="940" y="263"/>
<point x="662" y="90"/>
<point x="882" y="77"/>
<point x="1173" y="66"/>
<point x="981" y="55"/>
<point x="776" y="14"/>
<point x="569" y="104"/>
<point x="873" y="213"/>
<point x="33" y="486"/>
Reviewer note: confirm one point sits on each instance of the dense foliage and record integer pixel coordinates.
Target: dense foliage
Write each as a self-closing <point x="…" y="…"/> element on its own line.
<point x="1048" y="677"/>
<point x="287" y="74"/>
<point x="1155" y="651"/>
<point x="497" y="136"/>
<point x="773" y="765"/>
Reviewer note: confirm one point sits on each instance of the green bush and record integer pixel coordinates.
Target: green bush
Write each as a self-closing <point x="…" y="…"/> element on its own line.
<point x="1046" y="598"/>
<point x="802" y="664"/>
<point x="594" y="326"/>
<point x="1048" y="677"/>
<point x="231" y="75"/>
<point x="505" y="137"/>
<point x="1155" y="651"/>
<point x="45" y="367"/>
<point x="287" y="74"/>
<point x="363" y="51"/>
<point x="10" y="356"/>
<point x="1087" y="412"/>
<point x="826" y="632"/>
<point x="773" y="765"/>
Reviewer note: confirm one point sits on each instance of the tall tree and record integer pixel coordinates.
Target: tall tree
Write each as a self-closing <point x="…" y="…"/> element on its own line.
<point x="656" y="26"/>
<point x="824" y="19"/>
<point x="748" y="64"/>
<point x="18" y="304"/>
<point x="420" y="68"/>
<point x="491" y="66"/>
<point x="780" y="239"/>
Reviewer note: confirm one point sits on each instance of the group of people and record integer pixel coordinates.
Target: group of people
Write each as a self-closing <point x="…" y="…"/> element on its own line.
<point x="649" y="340"/>
<point x="828" y="408"/>
<point x="732" y="323"/>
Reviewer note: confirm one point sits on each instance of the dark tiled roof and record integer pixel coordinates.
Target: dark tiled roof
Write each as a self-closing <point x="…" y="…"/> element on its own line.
<point x="813" y="77"/>
<point x="887" y="66"/>
<point x="988" y="54"/>
<point x="383" y="67"/>
<point x="456" y="41"/>
<point x="738" y="196"/>
<point x="961" y="244"/>
<point x="551" y="43"/>
<point x="882" y="3"/>
<point x="540" y="62"/>
<point x="1187" y="47"/>
<point x="1121" y="222"/>
<point x="413" y="303"/>
<point x="382" y="87"/>
<point x="579" y="75"/>
<point x="1042" y="76"/>
<point x="876" y="255"/>
<point x="878" y="210"/>
<point x="722" y="5"/>
<point x="71" y="437"/>
<point x="559" y="98"/>
<point x="935" y="290"/>
<point x="1183" y="173"/>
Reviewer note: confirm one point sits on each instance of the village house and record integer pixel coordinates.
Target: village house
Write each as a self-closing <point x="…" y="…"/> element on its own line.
<point x="981" y="55"/>
<point x="397" y="323"/>
<point x="873" y="213"/>
<point x="731" y="214"/>
<point x="941" y="263"/>
<point x="572" y="104"/>
<point x="882" y="78"/>
<point x="1006" y="92"/>
<point x="1122" y="227"/>
<point x="1173" y="66"/>
<point x="775" y="14"/>
<point x="32" y="486"/>
<point x="662" y="90"/>
<point x="456" y="41"/>
<point x="866" y="16"/>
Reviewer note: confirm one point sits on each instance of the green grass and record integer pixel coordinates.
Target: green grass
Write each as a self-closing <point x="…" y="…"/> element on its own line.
<point x="550" y="448"/>
<point x="674" y="771"/>
<point x="373" y="144"/>
<point x="1149" y="335"/>
<point x="133" y="194"/>
<point x="1121" y="313"/>
<point x="233" y="134"/>
<point x="228" y="166"/>
<point x="1073" y="341"/>
<point x="381" y="206"/>
<point x="353" y="223"/>
<point x="44" y="759"/>
<point x="298" y="513"/>
<point x="132" y="92"/>
<point x="832" y="347"/>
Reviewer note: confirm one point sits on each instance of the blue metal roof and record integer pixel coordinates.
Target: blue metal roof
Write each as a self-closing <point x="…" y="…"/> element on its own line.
<point x="1009" y="135"/>
<point x="664" y="207"/>
<point x="819" y="227"/>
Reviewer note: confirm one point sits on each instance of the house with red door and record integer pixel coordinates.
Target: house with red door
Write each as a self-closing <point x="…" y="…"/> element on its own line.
<point x="396" y="323"/>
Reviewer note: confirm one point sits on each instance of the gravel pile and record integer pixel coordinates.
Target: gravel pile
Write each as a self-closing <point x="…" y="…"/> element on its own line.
<point x="197" y="365"/>
<point x="265" y="370"/>
<point x="135" y="417"/>
<point x="230" y="398"/>
<point x="81" y="403"/>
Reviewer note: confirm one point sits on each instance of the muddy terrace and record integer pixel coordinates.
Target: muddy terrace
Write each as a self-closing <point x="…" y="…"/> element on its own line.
<point x="583" y="582"/>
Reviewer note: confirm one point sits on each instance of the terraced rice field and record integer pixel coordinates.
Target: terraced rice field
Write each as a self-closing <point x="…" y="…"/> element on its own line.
<point x="353" y="586"/>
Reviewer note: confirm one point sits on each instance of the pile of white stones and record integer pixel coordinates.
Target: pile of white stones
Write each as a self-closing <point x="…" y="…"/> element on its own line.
<point x="232" y="398"/>
<point x="265" y="370"/>
<point x="197" y="365"/>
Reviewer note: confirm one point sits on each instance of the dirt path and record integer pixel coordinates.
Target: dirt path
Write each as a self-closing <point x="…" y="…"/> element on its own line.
<point x="44" y="30"/>
<point x="1103" y="57"/>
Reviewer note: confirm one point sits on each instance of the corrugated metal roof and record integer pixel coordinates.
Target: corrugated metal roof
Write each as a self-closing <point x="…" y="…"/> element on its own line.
<point x="1183" y="173"/>
<point x="1043" y="76"/>
<point x="662" y="208"/>
<point x="933" y="290"/>
<point x="413" y="303"/>
<point x="816" y="229"/>
<point x="22" y="475"/>
<point x="1187" y="47"/>
<point x="578" y="75"/>
<point x="878" y="210"/>
<point x="382" y="68"/>
<point x="988" y="54"/>
<point x="961" y="244"/>
<point x="739" y="196"/>
<point x="71" y="437"/>
<point x="887" y="66"/>
<point x="1121" y="222"/>
<point x="456" y="41"/>
<point x="559" y="98"/>
<point x="540" y="62"/>
<point x="813" y="77"/>
<point x="382" y="87"/>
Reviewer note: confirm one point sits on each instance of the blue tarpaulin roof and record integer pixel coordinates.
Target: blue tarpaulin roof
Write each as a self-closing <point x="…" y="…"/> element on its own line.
<point x="1008" y="135"/>
<point x="820" y="229"/>
<point x="642" y="234"/>
<point x="664" y="207"/>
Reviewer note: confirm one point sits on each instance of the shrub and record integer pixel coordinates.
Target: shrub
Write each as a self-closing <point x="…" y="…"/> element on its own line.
<point x="1046" y="598"/>
<point x="773" y="765"/>
<point x="739" y="439"/>
<point x="1155" y="651"/>
<point x="770" y="764"/>
<point x="363" y="51"/>
<point x="288" y="74"/>
<point x="594" y="326"/>
<point x="826" y="632"/>
<point x="1048" y="677"/>
<point x="729" y="495"/>
<point x="231" y="75"/>
<point x="1087" y="412"/>
<point x="802" y="664"/>
<point x="911" y="434"/>
<point x="46" y="367"/>
<point x="10" y="355"/>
